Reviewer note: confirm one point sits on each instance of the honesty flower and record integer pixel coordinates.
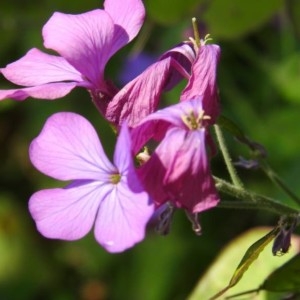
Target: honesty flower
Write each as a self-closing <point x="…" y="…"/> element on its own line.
<point x="203" y="80"/>
<point x="178" y="170"/>
<point x="141" y="96"/>
<point x="104" y="195"/>
<point x="85" y="42"/>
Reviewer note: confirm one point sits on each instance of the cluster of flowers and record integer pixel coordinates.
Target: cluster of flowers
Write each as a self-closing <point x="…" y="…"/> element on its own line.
<point x="118" y="199"/>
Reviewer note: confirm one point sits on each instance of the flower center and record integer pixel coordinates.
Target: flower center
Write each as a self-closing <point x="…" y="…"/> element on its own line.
<point x="194" y="121"/>
<point x="115" y="178"/>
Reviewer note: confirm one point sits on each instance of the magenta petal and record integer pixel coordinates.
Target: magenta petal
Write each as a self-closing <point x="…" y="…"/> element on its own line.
<point x="68" y="213"/>
<point x="156" y="124"/>
<point x="140" y="97"/>
<point x="68" y="148"/>
<point x="122" y="218"/>
<point x="37" y="68"/>
<point x="128" y="16"/>
<point x="84" y="40"/>
<point x="48" y="91"/>
<point x="203" y="81"/>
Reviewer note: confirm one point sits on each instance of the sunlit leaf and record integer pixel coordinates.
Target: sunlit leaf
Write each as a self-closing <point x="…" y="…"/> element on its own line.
<point x="286" y="278"/>
<point x="234" y="18"/>
<point x="221" y="270"/>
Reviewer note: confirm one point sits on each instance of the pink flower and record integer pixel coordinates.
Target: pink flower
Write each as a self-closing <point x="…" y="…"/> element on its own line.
<point x="104" y="195"/>
<point x="141" y="96"/>
<point x="85" y="43"/>
<point x="178" y="170"/>
<point x="203" y="80"/>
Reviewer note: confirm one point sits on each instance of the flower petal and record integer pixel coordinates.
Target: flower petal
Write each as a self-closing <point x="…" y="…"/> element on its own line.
<point x="84" y="40"/>
<point x="68" y="148"/>
<point x="37" y="68"/>
<point x="128" y="16"/>
<point x="48" y="91"/>
<point x="68" y="213"/>
<point x="122" y="218"/>
<point x="203" y="81"/>
<point x="140" y="97"/>
<point x="156" y="124"/>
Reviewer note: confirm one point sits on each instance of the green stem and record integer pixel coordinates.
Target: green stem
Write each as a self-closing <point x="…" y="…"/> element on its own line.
<point x="249" y="200"/>
<point x="228" y="161"/>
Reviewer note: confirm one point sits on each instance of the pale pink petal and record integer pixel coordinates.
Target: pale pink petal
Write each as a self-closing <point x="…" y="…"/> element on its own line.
<point x="84" y="40"/>
<point x="48" y="91"/>
<point x="122" y="218"/>
<point x="128" y="16"/>
<point x="68" y="148"/>
<point x="37" y="68"/>
<point x="67" y="213"/>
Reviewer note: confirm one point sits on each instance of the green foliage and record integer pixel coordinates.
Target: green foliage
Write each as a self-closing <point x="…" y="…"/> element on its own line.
<point x="234" y="18"/>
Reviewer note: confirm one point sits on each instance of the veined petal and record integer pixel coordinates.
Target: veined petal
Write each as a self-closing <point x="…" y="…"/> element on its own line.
<point x="203" y="81"/>
<point x="84" y="40"/>
<point x="188" y="178"/>
<point x="122" y="218"/>
<point x="68" y="213"/>
<point x="123" y="158"/>
<point x="157" y="123"/>
<point x="37" y="68"/>
<point x="140" y="97"/>
<point x="68" y="148"/>
<point x="128" y="16"/>
<point x="48" y="91"/>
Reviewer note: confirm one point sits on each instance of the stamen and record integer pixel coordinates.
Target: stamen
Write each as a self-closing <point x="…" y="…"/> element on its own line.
<point x="115" y="178"/>
<point x="194" y="121"/>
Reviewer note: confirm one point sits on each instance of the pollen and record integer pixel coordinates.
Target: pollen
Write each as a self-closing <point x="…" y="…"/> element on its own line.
<point x="194" y="120"/>
<point x="115" y="178"/>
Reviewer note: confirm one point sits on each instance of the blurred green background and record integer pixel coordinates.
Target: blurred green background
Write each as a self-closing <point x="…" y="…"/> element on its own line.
<point x="259" y="82"/>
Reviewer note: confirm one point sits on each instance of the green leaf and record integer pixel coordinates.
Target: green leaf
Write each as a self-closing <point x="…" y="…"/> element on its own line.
<point x="235" y="18"/>
<point x="251" y="254"/>
<point x="286" y="278"/>
<point x="221" y="270"/>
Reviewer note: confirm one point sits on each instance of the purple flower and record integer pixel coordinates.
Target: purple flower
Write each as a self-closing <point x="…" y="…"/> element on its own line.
<point x="85" y="42"/>
<point x="104" y="195"/>
<point x="178" y="170"/>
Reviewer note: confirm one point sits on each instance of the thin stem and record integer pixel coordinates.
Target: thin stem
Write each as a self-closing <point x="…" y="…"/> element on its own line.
<point x="278" y="181"/>
<point x="249" y="200"/>
<point x="228" y="161"/>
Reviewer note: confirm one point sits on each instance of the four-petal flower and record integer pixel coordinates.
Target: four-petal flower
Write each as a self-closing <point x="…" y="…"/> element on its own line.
<point x="108" y="196"/>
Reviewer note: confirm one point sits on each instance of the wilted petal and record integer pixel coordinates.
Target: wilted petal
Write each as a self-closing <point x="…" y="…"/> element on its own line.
<point x="84" y="40"/>
<point x="37" y="68"/>
<point x="128" y="16"/>
<point x="141" y="96"/>
<point x="122" y="218"/>
<point x="203" y="81"/>
<point x="48" y="91"/>
<point x="67" y="213"/>
<point x="68" y="148"/>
